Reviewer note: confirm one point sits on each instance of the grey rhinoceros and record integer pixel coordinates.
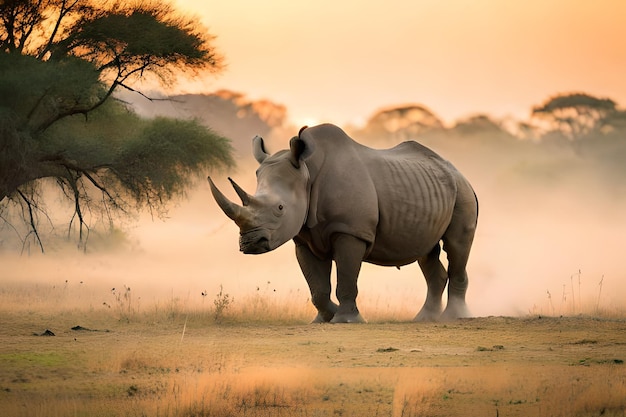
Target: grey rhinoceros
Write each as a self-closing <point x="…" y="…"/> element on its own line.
<point x="339" y="200"/>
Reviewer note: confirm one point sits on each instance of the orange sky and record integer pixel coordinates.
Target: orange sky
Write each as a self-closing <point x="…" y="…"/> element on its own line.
<point x="340" y="60"/>
<point x="457" y="57"/>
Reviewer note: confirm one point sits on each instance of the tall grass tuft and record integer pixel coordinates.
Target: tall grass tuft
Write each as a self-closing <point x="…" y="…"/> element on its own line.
<point x="221" y="304"/>
<point x="576" y="301"/>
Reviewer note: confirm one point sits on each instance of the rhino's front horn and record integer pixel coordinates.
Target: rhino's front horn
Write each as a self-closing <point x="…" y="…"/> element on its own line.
<point x="232" y="210"/>
<point x="245" y="198"/>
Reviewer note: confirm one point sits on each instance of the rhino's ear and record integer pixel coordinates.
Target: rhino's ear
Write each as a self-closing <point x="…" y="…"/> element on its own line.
<point x="258" y="149"/>
<point x="301" y="148"/>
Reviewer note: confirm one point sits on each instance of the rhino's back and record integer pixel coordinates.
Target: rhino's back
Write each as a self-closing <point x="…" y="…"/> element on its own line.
<point x="416" y="192"/>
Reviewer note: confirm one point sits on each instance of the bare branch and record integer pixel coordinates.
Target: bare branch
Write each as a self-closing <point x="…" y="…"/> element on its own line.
<point x="33" y="226"/>
<point x="35" y="18"/>
<point x="72" y="180"/>
<point x="142" y="94"/>
<point x="17" y="233"/>
<point x="64" y="10"/>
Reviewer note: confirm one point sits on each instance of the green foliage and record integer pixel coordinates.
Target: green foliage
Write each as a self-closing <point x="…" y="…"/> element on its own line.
<point x="130" y="39"/>
<point x="37" y="91"/>
<point x="93" y="141"/>
<point x="28" y="360"/>
<point x="166" y="153"/>
<point x="139" y="33"/>
<point x="60" y="63"/>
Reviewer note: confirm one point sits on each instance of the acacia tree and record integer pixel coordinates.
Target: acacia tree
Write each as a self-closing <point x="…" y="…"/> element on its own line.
<point x="61" y="62"/>
<point x="575" y="114"/>
<point x="402" y="122"/>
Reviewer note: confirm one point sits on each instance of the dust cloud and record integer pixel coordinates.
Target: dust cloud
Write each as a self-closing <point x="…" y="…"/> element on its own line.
<point x="551" y="228"/>
<point x="550" y="238"/>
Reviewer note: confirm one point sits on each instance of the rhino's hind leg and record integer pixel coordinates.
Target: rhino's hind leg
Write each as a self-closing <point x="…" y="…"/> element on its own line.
<point x="317" y="274"/>
<point x="436" y="279"/>
<point x="457" y="242"/>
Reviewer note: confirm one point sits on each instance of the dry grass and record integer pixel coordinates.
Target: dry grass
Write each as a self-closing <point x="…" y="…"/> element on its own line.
<point x="170" y="357"/>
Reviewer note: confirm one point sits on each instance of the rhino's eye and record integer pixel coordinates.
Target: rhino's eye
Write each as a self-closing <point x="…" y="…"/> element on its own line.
<point x="278" y="210"/>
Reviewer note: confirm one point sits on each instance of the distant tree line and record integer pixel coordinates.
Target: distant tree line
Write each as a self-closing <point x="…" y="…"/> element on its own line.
<point x="567" y="132"/>
<point x="572" y="116"/>
<point x="230" y="113"/>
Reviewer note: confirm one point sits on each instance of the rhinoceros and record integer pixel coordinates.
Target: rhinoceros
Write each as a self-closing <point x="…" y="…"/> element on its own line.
<point x="345" y="202"/>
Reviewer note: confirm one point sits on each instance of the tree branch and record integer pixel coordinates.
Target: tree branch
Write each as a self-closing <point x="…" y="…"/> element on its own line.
<point x="142" y="94"/>
<point x="36" y="18"/>
<point x="72" y="180"/>
<point x="17" y="233"/>
<point x="63" y="12"/>
<point x="32" y="219"/>
<point x="77" y="110"/>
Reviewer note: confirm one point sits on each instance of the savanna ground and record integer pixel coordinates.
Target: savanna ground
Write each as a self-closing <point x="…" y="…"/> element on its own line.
<point x="258" y="357"/>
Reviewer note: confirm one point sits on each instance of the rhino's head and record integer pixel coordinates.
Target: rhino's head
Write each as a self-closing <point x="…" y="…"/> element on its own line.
<point x="278" y="209"/>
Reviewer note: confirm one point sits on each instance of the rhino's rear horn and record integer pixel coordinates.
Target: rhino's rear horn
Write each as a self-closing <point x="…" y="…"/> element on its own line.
<point x="245" y="197"/>
<point x="232" y="210"/>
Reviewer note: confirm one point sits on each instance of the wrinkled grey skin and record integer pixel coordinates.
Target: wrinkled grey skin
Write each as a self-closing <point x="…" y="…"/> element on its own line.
<point x="344" y="202"/>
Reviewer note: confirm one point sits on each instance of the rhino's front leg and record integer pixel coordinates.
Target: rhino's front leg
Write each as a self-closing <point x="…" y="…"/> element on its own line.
<point x="348" y="252"/>
<point x="317" y="274"/>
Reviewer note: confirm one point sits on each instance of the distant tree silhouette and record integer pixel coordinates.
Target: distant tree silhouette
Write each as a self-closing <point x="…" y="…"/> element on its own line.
<point x="575" y="114"/>
<point x="230" y="113"/>
<point x="478" y="124"/>
<point x="60" y="63"/>
<point x="402" y="122"/>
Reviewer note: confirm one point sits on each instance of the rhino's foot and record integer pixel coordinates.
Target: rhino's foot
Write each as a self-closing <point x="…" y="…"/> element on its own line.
<point x="321" y="318"/>
<point x="325" y="315"/>
<point x="428" y="314"/>
<point x="456" y="309"/>
<point x="348" y="318"/>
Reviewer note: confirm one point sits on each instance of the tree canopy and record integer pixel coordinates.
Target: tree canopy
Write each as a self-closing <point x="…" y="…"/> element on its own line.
<point x="575" y="114"/>
<point x="402" y="122"/>
<point x="61" y="62"/>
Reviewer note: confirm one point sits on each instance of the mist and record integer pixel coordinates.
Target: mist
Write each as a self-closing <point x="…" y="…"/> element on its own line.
<point x="550" y="233"/>
<point x="550" y="229"/>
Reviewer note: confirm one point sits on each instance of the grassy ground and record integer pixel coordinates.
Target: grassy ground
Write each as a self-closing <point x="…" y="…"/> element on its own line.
<point x="165" y="359"/>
